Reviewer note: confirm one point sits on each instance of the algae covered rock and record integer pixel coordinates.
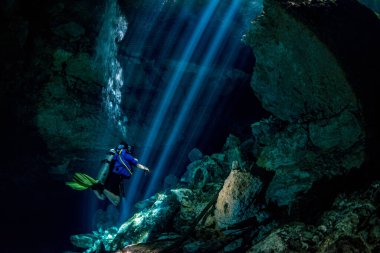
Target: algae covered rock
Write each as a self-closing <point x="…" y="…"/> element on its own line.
<point x="187" y="213"/>
<point x="149" y="222"/>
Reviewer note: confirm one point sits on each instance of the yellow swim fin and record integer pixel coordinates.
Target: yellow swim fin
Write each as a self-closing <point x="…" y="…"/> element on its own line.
<point x="81" y="182"/>
<point x="76" y="186"/>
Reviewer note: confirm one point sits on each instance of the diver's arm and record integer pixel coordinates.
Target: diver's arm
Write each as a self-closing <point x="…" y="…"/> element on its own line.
<point x="142" y="167"/>
<point x="135" y="162"/>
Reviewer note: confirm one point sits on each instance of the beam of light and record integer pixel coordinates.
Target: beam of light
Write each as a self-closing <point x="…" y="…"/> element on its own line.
<point x="178" y="74"/>
<point x="212" y="101"/>
<point x="200" y="118"/>
<point x="192" y="95"/>
<point x="169" y="93"/>
<point x="161" y="45"/>
<point x="130" y="186"/>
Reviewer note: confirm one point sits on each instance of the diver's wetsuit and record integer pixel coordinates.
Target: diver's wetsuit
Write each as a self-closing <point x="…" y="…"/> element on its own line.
<point x="122" y="169"/>
<point x="113" y="183"/>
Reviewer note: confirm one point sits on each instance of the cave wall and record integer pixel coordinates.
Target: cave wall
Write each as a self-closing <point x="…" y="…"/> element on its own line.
<point x="30" y="34"/>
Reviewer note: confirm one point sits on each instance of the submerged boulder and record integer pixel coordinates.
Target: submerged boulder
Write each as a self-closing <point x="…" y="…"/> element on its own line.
<point x="236" y="200"/>
<point x="296" y="75"/>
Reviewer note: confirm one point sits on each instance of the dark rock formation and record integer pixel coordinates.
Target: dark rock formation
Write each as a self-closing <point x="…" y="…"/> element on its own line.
<point x="304" y="77"/>
<point x="353" y="41"/>
<point x="372" y="4"/>
<point x="352" y="225"/>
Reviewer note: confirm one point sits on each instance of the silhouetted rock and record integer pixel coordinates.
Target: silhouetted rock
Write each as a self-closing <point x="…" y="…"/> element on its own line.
<point x="203" y="171"/>
<point x="195" y="154"/>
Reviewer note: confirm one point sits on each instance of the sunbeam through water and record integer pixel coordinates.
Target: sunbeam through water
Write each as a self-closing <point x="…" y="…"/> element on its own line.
<point x="192" y="95"/>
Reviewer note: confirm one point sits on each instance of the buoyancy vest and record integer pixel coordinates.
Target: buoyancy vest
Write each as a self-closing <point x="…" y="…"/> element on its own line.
<point x="123" y="163"/>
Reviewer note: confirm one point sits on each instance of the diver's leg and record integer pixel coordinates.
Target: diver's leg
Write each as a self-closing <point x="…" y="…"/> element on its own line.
<point x="112" y="197"/>
<point x="99" y="195"/>
<point x="98" y="189"/>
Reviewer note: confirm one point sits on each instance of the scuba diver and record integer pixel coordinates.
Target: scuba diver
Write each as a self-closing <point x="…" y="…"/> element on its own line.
<point x="117" y="166"/>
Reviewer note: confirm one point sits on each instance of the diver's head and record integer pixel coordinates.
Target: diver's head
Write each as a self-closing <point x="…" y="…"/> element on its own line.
<point x="130" y="149"/>
<point x="124" y="145"/>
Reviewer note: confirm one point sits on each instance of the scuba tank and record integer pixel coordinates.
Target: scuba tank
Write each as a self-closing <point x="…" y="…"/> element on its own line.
<point x="104" y="170"/>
